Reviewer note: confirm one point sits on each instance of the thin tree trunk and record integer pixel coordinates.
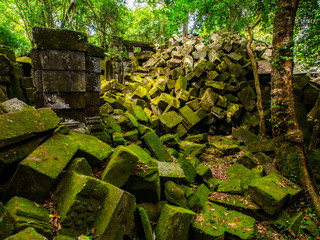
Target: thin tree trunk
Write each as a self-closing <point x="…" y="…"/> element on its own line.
<point x="290" y="149"/>
<point x="262" y="124"/>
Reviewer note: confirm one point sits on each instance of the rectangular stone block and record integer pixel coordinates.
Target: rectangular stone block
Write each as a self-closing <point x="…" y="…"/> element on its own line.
<point x="27" y="82"/>
<point x="18" y="126"/>
<point x="5" y="79"/>
<point x="93" y="64"/>
<point x="93" y="82"/>
<point x="63" y="39"/>
<point x="37" y="173"/>
<point x="71" y="116"/>
<point x="62" y="60"/>
<point x="95" y="51"/>
<point x="62" y="81"/>
<point x="92" y="99"/>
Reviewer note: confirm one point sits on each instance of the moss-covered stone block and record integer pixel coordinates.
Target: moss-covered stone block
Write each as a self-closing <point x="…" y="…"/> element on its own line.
<point x="245" y="135"/>
<point x="116" y="214"/>
<point x="28" y="233"/>
<point x="188" y="168"/>
<point x="214" y="221"/>
<point x="272" y="191"/>
<point x="120" y="167"/>
<point x="261" y="146"/>
<point x="80" y="166"/>
<point x="224" y="145"/>
<point x="175" y="194"/>
<point x="233" y="200"/>
<point x="27" y="214"/>
<point x="247" y="160"/>
<point x="143" y="156"/>
<point x="157" y="148"/>
<point x="230" y="186"/>
<point x="14" y="105"/>
<point x="18" y="126"/>
<point x="7" y="222"/>
<point x="189" y="116"/>
<point x="208" y="99"/>
<point x="244" y="174"/>
<point x="91" y="148"/>
<point x="174" y="223"/>
<point x="132" y="136"/>
<point x="201" y="137"/>
<point x="247" y="98"/>
<point x="145" y="183"/>
<point x="170" y="120"/>
<point x="146" y="225"/>
<point x="170" y="171"/>
<point x="138" y="113"/>
<point x="192" y="149"/>
<point x="37" y="173"/>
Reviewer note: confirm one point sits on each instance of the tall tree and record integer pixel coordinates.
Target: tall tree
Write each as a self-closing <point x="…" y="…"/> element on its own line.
<point x="290" y="149"/>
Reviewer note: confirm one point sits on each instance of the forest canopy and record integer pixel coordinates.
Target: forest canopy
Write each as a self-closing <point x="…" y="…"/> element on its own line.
<point x="156" y="21"/>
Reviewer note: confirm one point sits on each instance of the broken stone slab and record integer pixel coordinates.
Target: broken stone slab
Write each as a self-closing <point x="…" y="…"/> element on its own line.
<point x="143" y="156"/>
<point x="224" y="145"/>
<point x="157" y="148"/>
<point x="116" y="215"/>
<point x="272" y="192"/>
<point x="245" y="135"/>
<point x="247" y="98"/>
<point x="37" y="173"/>
<point x="208" y="100"/>
<point x="175" y="194"/>
<point x="170" y="171"/>
<point x="138" y="113"/>
<point x="206" y="175"/>
<point x="144" y="184"/>
<point x="18" y="126"/>
<point x="170" y="120"/>
<point x="261" y="146"/>
<point x="122" y="161"/>
<point x="7" y="222"/>
<point x="191" y="149"/>
<point x="146" y="225"/>
<point x="246" y="159"/>
<point x="18" y="152"/>
<point x="91" y="148"/>
<point x="174" y="223"/>
<point x="79" y="202"/>
<point x="61" y="39"/>
<point x="244" y="174"/>
<point x="14" y="105"/>
<point x="188" y="168"/>
<point x="190" y="117"/>
<point x="29" y="214"/>
<point x="214" y="221"/>
<point x="201" y="137"/>
<point x="233" y="200"/>
<point x="28" y="233"/>
<point x="230" y="186"/>
<point x="198" y="198"/>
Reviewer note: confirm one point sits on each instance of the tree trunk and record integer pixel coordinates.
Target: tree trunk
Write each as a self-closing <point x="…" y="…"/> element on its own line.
<point x="290" y="149"/>
<point x="185" y="29"/>
<point x="262" y="123"/>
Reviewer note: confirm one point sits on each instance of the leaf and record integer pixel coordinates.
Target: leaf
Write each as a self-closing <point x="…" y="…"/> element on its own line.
<point x="246" y="229"/>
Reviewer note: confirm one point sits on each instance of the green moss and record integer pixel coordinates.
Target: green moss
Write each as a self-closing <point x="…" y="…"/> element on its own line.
<point x="120" y="167"/>
<point x="7" y="222"/>
<point x="145" y="224"/>
<point x="18" y="126"/>
<point x="174" y="223"/>
<point x="28" y="233"/>
<point x="175" y="194"/>
<point x="28" y="214"/>
<point x="37" y="173"/>
<point x="170" y="120"/>
<point x="94" y="150"/>
<point x="156" y="147"/>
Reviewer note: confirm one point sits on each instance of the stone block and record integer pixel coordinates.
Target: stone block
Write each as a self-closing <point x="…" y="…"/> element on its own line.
<point x="60" y="60"/>
<point x="170" y="120"/>
<point x="28" y="214"/>
<point x="93" y="64"/>
<point x="92" y="99"/>
<point x="18" y="126"/>
<point x="61" y="39"/>
<point x="157" y="148"/>
<point x="91" y="148"/>
<point x="14" y="105"/>
<point x="208" y="99"/>
<point x="272" y="191"/>
<point x="230" y="186"/>
<point x="122" y="161"/>
<point x="261" y="146"/>
<point x="79" y="203"/>
<point x="189" y="116"/>
<point x="174" y="223"/>
<point x="170" y="171"/>
<point x="7" y="222"/>
<point x="36" y="174"/>
<point x="62" y="81"/>
<point x="28" y="233"/>
<point x="245" y="135"/>
<point x="146" y="225"/>
<point x="247" y="98"/>
<point x="175" y="194"/>
<point x="72" y="100"/>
